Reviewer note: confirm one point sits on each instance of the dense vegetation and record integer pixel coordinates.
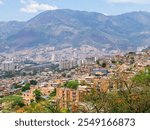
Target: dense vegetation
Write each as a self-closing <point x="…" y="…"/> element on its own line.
<point x="133" y="97"/>
<point x="12" y="103"/>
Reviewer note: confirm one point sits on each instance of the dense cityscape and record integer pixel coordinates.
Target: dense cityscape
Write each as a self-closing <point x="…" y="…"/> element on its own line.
<point x="83" y="79"/>
<point x="74" y="64"/>
<point x="59" y="57"/>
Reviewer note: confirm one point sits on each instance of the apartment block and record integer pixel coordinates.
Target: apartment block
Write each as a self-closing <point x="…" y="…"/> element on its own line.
<point x="68" y="64"/>
<point x="68" y="98"/>
<point x="8" y="66"/>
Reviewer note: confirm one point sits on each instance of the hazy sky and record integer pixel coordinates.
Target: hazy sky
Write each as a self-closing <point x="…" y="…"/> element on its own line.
<point x="25" y="9"/>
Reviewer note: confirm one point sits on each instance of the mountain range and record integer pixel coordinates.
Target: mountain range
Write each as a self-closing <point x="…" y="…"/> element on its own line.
<point x="64" y="27"/>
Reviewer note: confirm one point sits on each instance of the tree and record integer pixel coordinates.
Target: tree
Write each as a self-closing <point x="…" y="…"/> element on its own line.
<point x="33" y="82"/>
<point x="131" y="96"/>
<point x="142" y="78"/>
<point x="73" y="84"/>
<point x="26" y="87"/>
<point x="95" y="102"/>
<point x="53" y="94"/>
<point x="134" y="95"/>
<point x="53" y="107"/>
<point x="104" y="64"/>
<point x="37" y="94"/>
<point x="16" y="86"/>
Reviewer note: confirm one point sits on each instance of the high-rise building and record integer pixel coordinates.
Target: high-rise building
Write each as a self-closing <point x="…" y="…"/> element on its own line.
<point x="8" y="66"/>
<point x="53" y="58"/>
<point x="64" y="65"/>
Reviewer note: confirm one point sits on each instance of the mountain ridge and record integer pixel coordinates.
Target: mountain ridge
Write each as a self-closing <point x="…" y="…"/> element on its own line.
<point x="67" y="27"/>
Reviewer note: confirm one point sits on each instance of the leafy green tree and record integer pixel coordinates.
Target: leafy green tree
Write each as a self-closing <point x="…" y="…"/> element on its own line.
<point x="73" y="84"/>
<point x="37" y="94"/>
<point x="26" y="87"/>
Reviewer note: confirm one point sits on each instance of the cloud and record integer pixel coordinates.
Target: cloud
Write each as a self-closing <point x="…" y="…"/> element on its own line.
<point x="130" y="1"/>
<point x="32" y="6"/>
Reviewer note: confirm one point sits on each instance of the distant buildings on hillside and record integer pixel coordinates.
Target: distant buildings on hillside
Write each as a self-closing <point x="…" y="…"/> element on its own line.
<point x="69" y="64"/>
<point x="8" y="66"/>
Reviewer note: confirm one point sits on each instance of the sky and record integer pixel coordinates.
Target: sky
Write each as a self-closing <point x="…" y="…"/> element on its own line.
<point x="23" y="10"/>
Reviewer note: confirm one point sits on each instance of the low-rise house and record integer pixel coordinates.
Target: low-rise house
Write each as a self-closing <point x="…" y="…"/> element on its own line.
<point x="28" y="96"/>
<point x="6" y="92"/>
<point x="46" y="90"/>
<point x="2" y="88"/>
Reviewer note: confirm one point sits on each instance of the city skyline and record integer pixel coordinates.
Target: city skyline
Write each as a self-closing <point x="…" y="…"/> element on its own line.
<point x="23" y="10"/>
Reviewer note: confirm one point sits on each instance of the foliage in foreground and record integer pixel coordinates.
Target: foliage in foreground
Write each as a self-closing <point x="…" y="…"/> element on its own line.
<point x="133" y="97"/>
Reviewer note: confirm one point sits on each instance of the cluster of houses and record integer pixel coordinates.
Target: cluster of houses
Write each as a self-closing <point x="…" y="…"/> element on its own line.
<point x="90" y="76"/>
